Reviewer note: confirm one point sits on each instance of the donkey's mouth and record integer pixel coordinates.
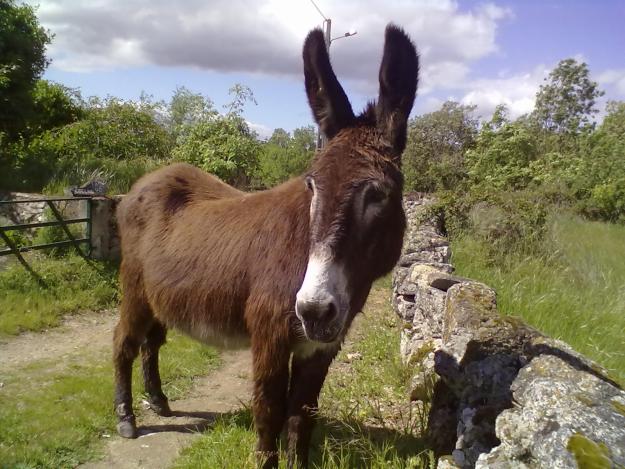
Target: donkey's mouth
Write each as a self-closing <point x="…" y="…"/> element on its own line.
<point x="317" y="331"/>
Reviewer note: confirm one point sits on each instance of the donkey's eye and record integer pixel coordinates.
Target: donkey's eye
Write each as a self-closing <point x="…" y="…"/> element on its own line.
<point x="374" y="196"/>
<point x="310" y="183"/>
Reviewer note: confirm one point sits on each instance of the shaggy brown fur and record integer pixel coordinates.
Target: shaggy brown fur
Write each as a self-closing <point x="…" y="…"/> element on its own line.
<point x="224" y="266"/>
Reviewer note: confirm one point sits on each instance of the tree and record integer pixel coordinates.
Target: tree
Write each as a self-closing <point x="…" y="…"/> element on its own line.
<point x="601" y="177"/>
<point x="120" y="138"/>
<point x="434" y="155"/>
<point x="280" y="138"/>
<point x="502" y="154"/>
<point x="22" y="62"/>
<point x="223" y="145"/>
<point x="565" y="104"/>
<point x="284" y="156"/>
<point x="54" y="105"/>
<point x="187" y="109"/>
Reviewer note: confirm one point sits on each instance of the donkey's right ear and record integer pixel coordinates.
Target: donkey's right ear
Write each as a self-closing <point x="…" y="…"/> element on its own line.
<point x="326" y="97"/>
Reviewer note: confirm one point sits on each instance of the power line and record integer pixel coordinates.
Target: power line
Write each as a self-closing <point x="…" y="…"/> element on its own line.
<point x="315" y="5"/>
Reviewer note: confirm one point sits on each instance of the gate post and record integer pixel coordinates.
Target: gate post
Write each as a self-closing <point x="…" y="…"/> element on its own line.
<point x="104" y="235"/>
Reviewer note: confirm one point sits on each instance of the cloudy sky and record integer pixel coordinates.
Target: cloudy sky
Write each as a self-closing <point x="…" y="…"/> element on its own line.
<point x="483" y="53"/>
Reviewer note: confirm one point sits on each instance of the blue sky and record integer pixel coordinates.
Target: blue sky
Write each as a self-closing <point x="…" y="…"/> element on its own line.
<point x="483" y="53"/>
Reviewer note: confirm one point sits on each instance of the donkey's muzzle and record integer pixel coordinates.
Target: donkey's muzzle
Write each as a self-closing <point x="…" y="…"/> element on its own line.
<point x="319" y="319"/>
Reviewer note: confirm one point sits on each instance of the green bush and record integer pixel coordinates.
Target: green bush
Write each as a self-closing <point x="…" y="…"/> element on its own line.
<point x="123" y="139"/>
<point x="18" y="238"/>
<point x="503" y="221"/>
<point x="434" y="155"/>
<point x="285" y="156"/>
<point x="606" y="202"/>
<point x="224" y="146"/>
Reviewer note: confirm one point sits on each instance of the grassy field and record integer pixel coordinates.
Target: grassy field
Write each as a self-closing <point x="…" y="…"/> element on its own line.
<point x="574" y="291"/>
<point x="365" y="417"/>
<point x="72" y="286"/>
<point x="56" y="415"/>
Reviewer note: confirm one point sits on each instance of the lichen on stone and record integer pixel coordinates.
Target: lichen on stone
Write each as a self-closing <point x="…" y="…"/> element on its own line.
<point x="589" y="454"/>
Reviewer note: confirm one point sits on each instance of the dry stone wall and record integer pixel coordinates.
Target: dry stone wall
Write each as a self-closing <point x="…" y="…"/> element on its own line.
<point x="503" y="395"/>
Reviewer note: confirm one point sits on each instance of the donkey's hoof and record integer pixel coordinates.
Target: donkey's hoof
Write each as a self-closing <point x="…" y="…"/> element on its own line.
<point x="127" y="429"/>
<point x="161" y="407"/>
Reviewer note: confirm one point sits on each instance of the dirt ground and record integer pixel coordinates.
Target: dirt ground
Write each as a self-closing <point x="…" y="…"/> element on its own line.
<point x="76" y="334"/>
<point x="160" y="439"/>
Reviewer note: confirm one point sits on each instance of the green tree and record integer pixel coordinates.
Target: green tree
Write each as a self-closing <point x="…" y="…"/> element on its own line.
<point x="54" y="105"/>
<point x="280" y="138"/>
<point x="434" y="155"/>
<point x="566" y="102"/>
<point x="284" y="156"/>
<point x="22" y="62"/>
<point x="120" y="138"/>
<point x="600" y="182"/>
<point x="502" y="154"/>
<point x="187" y="109"/>
<point x="223" y="145"/>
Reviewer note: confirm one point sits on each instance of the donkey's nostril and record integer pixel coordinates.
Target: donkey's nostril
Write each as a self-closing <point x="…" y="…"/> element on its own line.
<point x="330" y="313"/>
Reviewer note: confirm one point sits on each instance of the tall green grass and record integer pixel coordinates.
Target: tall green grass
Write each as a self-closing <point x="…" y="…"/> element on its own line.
<point x="573" y="288"/>
<point x="71" y="285"/>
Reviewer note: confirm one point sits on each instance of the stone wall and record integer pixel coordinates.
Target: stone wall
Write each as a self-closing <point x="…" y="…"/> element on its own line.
<point x="503" y="395"/>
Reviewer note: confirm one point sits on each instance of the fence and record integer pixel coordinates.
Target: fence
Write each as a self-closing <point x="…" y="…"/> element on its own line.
<point x="16" y="250"/>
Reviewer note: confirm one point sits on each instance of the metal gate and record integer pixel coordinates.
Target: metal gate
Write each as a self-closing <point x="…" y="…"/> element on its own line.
<point x="71" y="240"/>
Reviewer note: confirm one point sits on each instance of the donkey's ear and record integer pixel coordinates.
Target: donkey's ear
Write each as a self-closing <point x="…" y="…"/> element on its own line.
<point x="326" y="97"/>
<point x="399" y="74"/>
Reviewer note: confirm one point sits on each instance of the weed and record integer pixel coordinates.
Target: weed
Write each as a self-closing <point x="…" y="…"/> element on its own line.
<point x="72" y="285"/>
<point x="572" y="288"/>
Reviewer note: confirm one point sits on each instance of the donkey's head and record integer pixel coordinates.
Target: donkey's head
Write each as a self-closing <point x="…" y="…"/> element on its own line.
<point x="356" y="217"/>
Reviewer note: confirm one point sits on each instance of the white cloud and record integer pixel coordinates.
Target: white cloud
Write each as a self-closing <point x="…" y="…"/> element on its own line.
<point x="615" y="78"/>
<point x="262" y="130"/>
<point x="265" y="35"/>
<point x="517" y="92"/>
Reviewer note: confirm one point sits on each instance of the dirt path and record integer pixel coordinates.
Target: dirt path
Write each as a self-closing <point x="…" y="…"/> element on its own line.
<point x="91" y="332"/>
<point x="161" y="438"/>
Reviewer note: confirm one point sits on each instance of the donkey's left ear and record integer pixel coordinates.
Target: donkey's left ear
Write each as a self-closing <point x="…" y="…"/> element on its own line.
<point x="399" y="74"/>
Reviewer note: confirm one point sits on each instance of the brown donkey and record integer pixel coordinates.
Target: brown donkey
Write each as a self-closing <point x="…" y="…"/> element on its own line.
<point x="285" y="270"/>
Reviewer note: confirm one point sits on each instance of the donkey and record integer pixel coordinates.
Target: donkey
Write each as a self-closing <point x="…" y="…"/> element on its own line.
<point x="284" y="270"/>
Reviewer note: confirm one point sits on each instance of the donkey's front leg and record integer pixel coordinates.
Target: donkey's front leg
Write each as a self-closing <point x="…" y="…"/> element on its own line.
<point x="271" y="376"/>
<point x="307" y="377"/>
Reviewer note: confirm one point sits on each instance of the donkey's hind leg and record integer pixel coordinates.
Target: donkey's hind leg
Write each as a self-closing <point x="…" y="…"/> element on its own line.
<point x="135" y="320"/>
<point x="151" y="376"/>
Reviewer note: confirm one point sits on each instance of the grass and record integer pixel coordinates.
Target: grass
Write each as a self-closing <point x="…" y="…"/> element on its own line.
<point x="574" y="290"/>
<point x="365" y="417"/>
<point x="72" y="285"/>
<point x="58" y="418"/>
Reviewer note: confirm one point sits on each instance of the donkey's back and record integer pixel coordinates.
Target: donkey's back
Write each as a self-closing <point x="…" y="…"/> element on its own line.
<point x="158" y="195"/>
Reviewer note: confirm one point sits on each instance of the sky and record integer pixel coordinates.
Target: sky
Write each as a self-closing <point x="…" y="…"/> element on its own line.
<point x="481" y="53"/>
